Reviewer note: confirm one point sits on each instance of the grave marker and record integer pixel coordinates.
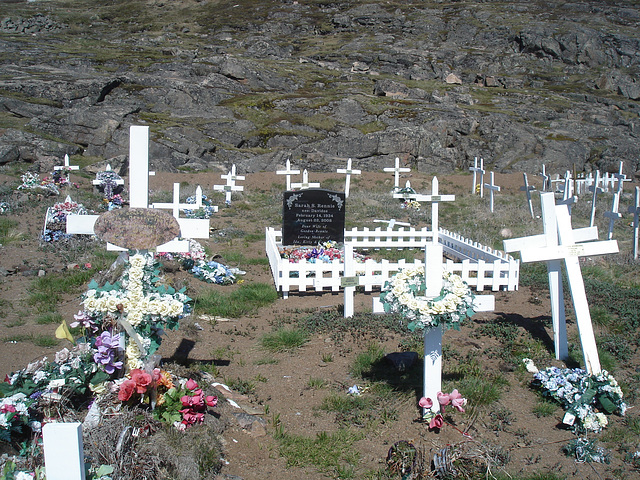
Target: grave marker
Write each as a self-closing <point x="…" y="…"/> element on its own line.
<point x="397" y="170"/>
<point x="635" y="209"/>
<point x="596" y="190"/>
<point x="288" y="172"/>
<point x="230" y="186"/>
<point x="546" y="179"/>
<point x="392" y="223"/>
<point x="492" y="187"/>
<point x="348" y="171"/>
<point x="312" y="216"/>
<point x="613" y="215"/>
<point x="559" y="246"/>
<point x="305" y="184"/>
<point x="478" y="171"/>
<point x="527" y="189"/>
<point x="63" y="451"/>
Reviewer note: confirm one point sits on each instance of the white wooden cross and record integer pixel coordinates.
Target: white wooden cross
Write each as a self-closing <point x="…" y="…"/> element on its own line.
<point x="397" y="170"/>
<point x="118" y="181"/>
<point x="392" y="223"/>
<point x="478" y="170"/>
<point x="568" y="198"/>
<point x="176" y="206"/>
<point x="635" y="209"/>
<point x="559" y="244"/>
<point x="139" y="197"/>
<point x="435" y="198"/>
<point x="288" y="172"/>
<point x="63" y="451"/>
<point x="348" y="171"/>
<point x="230" y="186"/>
<point x="613" y="215"/>
<point x="546" y="179"/>
<point x="305" y="184"/>
<point x="492" y="187"/>
<point x="66" y="167"/>
<point x="527" y="189"/>
<point x="596" y="189"/>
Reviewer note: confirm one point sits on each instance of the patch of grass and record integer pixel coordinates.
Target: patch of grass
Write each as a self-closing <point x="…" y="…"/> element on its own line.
<point x="266" y="361"/>
<point x="283" y="340"/>
<point x="242" y="301"/>
<point x="38" y="340"/>
<point x="544" y="408"/>
<point x="49" y="318"/>
<point x="483" y="390"/>
<point x="8" y="231"/>
<point x="374" y="406"/>
<point x="316" y="383"/>
<point x="365" y="362"/>
<point x="4" y="306"/>
<point x="245" y="387"/>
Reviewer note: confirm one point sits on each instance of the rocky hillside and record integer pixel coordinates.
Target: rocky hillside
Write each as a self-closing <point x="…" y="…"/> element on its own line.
<point x="435" y="83"/>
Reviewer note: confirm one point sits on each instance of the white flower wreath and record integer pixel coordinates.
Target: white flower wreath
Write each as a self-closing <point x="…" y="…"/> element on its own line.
<point x="401" y="295"/>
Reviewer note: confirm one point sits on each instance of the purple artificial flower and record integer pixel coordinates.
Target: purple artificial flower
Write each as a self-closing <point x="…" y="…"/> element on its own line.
<point x="84" y="320"/>
<point x="107" y="346"/>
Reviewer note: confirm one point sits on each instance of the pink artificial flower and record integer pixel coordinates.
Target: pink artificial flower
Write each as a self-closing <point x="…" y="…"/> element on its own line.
<point x="443" y="399"/>
<point x="142" y="380"/>
<point x="425" y="402"/>
<point x="212" y="400"/>
<point x="457" y="401"/>
<point x="126" y="390"/>
<point x="7" y="408"/>
<point x="436" y="422"/>
<point x="191" y="384"/>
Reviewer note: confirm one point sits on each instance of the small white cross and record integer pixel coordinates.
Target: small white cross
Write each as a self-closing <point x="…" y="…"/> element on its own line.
<point x="397" y="170"/>
<point x="348" y="171"/>
<point x="66" y="165"/>
<point x="546" y="179"/>
<point x="392" y="223"/>
<point x="527" y="189"/>
<point x="305" y="184"/>
<point x="118" y="181"/>
<point x="613" y="215"/>
<point x="288" y="172"/>
<point x="478" y="170"/>
<point x="596" y="190"/>
<point x="230" y="186"/>
<point x="492" y="187"/>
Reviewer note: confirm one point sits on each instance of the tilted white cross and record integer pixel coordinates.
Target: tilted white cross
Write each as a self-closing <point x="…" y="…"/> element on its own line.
<point x="492" y="187"/>
<point x="397" y="170"/>
<point x="478" y="170"/>
<point x="559" y="244"/>
<point x="230" y="186"/>
<point x="348" y="171"/>
<point x="305" y="184"/>
<point x="635" y="209"/>
<point x="392" y="223"/>
<point x="527" y="189"/>
<point x="613" y="215"/>
<point x="288" y="172"/>
<point x="596" y="189"/>
<point x="568" y="198"/>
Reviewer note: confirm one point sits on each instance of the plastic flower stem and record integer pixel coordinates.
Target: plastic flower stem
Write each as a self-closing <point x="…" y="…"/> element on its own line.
<point x="464" y="434"/>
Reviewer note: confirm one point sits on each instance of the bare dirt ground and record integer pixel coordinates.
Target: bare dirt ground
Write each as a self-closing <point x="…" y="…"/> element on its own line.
<point x="283" y="388"/>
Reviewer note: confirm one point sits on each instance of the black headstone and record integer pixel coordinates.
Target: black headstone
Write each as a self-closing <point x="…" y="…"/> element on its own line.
<point x="312" y="216"/>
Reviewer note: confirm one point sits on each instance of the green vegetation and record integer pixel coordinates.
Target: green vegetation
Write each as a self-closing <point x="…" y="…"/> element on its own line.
<point x="283" y="340"/>
<point x="245" y="300"/>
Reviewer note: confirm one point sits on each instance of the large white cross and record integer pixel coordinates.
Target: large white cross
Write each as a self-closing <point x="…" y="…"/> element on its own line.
<point x="305" y="184"/>
<point x="635" y="209"/>
<point x="288" y="172"/>
<point x="478" y="170"/>
<point x="613" y="215"/>
<point x="492" y="187"/>
<point x="139" y="197"/>
<point x="527" y="189"/>
<point x="397" y="170"/>
<point x="348" y="171"/>
<point x="230" y="186"/>
<point x="559" y="244"/>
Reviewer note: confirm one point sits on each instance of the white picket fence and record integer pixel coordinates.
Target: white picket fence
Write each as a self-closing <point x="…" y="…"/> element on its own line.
<point x="481" y="267"/>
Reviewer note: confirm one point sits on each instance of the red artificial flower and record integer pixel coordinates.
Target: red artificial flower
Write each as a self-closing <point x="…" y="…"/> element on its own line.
<point x="212" y="400"/>
<point x="126" y="390"/>
<point x="142" y="380"/>
<point x="191" y="384"/>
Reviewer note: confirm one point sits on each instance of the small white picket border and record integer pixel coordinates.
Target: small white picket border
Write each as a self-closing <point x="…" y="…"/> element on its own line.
<point x="480" y="266"/>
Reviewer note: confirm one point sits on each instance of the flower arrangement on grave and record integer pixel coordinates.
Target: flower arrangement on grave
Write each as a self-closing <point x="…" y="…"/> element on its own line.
<point x="31" y="181"/>
<point x="110" y="184"/>
<point x="403" y="294"/>
<point x="4" y="208"/>
<point x="140" y="304"/>
<point x="60" y="178"/>
<point x="184" y="404"/>
<point x="325" y="252"/>
<point x="113" y="203"/>
<point x="206" y="211"/>
<point x="411" y="205"/>
<point x="586" y="398"/>
<point x="56" y="220"/>
<point x="436" y="420"/>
